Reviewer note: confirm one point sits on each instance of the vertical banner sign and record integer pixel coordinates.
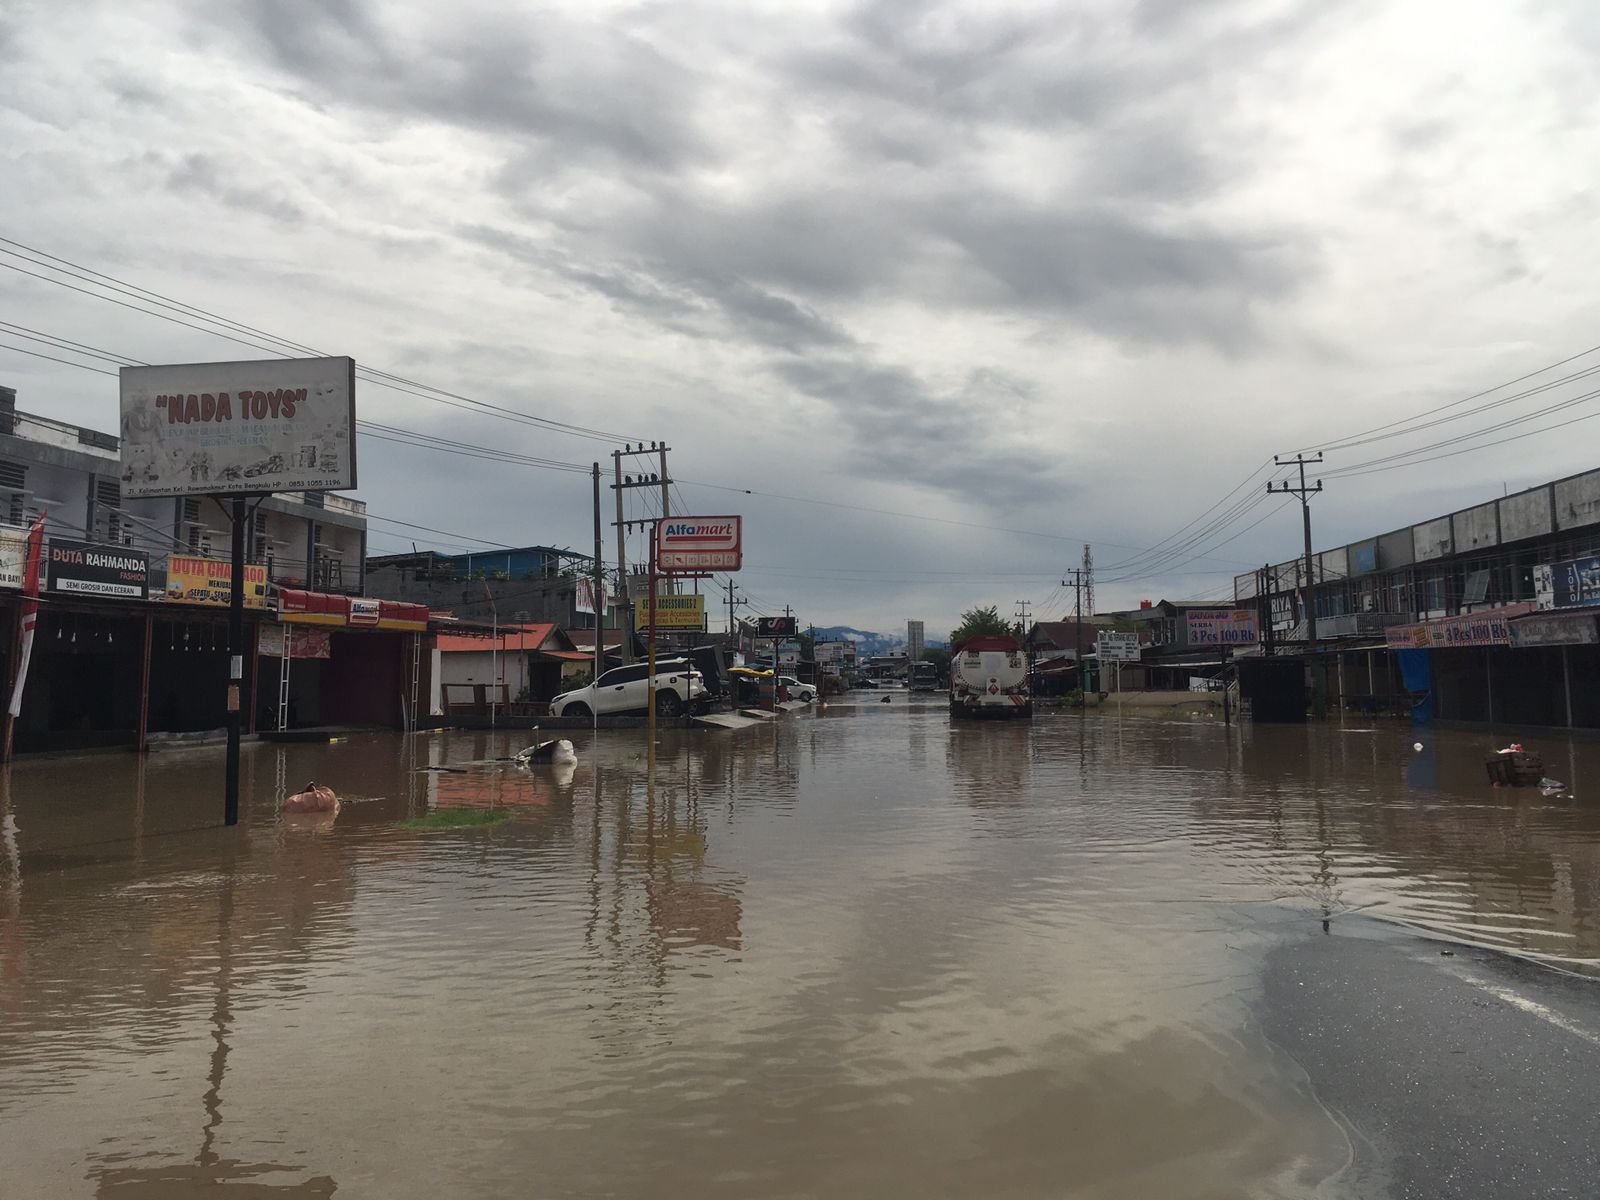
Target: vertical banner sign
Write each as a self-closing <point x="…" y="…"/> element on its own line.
<point x="13" y="556"/>
<point x="586" y="602"/>
<point x="29" y="616"/>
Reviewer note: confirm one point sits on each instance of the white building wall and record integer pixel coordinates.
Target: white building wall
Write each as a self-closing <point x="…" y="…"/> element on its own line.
<point x="1474" y="528"/>
<point x="1578" y="501"/>
<point x="1526" y="515"/>
<point x="1432" y="539"/>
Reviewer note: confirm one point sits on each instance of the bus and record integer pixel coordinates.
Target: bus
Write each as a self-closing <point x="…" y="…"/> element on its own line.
<point x="924" y="677"/>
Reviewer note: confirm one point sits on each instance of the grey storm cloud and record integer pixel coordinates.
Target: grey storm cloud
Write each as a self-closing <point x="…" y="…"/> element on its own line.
<point x="962" y="439"/>
<point x="577" y="91"/>
<point x="204" y="173"/>
<point x="564" y="92"/>
<point x="943" y="256"/>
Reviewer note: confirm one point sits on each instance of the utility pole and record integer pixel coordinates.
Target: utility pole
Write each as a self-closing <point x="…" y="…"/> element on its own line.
<point x="776" y="642"/>
<point x="622" y="483"/>
<point x="624" y="614"/>
<point x="597" y="589"/>
<point x="733" y="604"/>
<point x="1264" y="590"/>
<point x="1305" y="491"/>
<point x="1077" y="626"/>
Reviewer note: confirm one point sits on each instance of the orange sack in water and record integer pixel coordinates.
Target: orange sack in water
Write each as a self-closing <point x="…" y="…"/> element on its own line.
<point x="314" y="798"/>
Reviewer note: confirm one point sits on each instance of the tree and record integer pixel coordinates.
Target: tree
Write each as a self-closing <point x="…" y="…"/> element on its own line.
<point x="939" y="658"/>
<point x="979" y="622"/>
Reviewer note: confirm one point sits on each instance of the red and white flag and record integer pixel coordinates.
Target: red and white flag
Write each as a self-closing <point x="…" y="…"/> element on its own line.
<point x="30" y="610"/>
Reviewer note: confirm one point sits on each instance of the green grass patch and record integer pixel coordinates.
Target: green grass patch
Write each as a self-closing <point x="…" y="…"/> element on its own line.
<point x="458" y="818"/>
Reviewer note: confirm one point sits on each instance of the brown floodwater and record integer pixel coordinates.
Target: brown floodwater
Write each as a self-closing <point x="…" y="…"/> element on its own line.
<point x="858" y="952"/>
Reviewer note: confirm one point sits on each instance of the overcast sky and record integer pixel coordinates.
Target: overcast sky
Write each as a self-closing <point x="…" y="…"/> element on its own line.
<point x="1035" y="274"/>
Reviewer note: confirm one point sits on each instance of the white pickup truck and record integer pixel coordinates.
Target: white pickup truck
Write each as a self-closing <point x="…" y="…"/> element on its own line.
<point x="679" y="688"/>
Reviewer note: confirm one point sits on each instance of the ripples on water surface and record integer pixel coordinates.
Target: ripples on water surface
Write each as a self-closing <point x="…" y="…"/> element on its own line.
<point x="862" y="952"/>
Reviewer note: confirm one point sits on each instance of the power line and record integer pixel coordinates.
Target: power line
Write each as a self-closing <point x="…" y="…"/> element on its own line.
<point x="282" y="347"/>
<point x="1351" y="472"/>
<point x="1340" y="443"/>
<point x="1397" y="458"/>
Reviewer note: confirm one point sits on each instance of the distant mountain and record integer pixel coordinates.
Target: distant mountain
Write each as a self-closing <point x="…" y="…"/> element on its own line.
<point x="867" y="642"/>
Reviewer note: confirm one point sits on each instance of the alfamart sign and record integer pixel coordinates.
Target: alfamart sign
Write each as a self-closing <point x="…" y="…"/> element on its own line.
<point x="694" y="544"/>
<point x="200" y="429"/>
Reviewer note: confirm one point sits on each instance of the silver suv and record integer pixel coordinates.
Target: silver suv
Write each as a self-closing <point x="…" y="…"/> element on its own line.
<point x="679" y="688"/>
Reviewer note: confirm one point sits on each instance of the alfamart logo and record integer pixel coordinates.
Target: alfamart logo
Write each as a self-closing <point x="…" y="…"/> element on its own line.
<point x="700" y="530"/>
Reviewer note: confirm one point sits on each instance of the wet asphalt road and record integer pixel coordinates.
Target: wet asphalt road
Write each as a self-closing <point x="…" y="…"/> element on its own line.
<point x="1456" y="1072"/>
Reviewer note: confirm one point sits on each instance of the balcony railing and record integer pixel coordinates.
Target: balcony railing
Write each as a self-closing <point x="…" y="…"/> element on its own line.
<point x="324" y="575"/>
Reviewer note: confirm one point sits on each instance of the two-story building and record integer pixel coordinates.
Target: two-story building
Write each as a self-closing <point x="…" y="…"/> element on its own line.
<point x="1480" y="615"/>
<point x="139" y="648"/>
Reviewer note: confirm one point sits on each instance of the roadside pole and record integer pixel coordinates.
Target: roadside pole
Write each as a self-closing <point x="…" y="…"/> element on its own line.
<point x="624" y="621"/>
<point x="597" y="593"/>
<point x="494" y="657"/>
<point x="650" y="677"/>
<point x="230" y="800"/>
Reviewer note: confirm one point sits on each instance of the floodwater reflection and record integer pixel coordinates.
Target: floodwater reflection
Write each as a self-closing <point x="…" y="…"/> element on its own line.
<point x="858" y="951"/>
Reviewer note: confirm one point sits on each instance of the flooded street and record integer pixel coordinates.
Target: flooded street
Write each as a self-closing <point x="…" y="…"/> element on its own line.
<point x="858" y="952"/>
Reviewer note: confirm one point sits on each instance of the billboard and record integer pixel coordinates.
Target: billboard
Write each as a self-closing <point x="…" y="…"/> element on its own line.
<point x="687" y="545"/>
<point x="1112" y="646"/>
<point x="209" y="581"/>
<point x="13" y="555"/>
<point x="305" y="641"/>
<point x="1491" y="627"/>
<point x="1221" y="626"/>
<point x="673" y="612"/>
<point x="281" y="425"/>
<point x="1564" y="584"/>
<point x="773" y="627"/>
<point x="1570" y="629"/>
<point x="87" y="569"/>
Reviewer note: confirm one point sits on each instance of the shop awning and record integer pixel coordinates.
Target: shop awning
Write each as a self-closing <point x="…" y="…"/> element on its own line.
<point x="350" y="612"/>
<point x="1580" y="627"/>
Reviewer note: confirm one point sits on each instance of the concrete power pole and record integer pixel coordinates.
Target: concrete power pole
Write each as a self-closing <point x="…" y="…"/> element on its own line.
<point x="1305" y="491"/>
<point x="622" y="483"/>
<point x="1077" y="625"/>
<point x="733" y="606"/>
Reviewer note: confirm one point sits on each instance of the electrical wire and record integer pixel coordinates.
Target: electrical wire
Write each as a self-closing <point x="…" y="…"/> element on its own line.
<point x="1340" y="443"/>
<point x="218" y="326"/>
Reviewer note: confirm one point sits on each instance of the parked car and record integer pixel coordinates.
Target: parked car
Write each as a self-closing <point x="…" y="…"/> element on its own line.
<point x="679" y="688"/>
<point x="803" y="692"/>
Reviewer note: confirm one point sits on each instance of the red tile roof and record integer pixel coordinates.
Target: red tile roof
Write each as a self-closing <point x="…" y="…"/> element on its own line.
<point x="513" y="637"/>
